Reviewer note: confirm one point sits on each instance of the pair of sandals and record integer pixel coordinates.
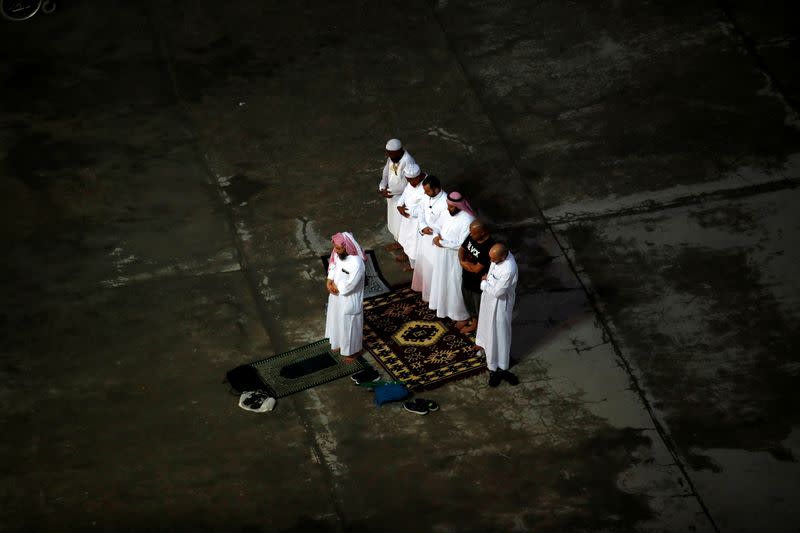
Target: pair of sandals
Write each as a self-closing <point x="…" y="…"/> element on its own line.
<point x="420" y="406"/>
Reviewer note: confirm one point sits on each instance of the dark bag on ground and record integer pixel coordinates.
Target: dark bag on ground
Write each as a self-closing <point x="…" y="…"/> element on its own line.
<point x="244" y="378"/>
<point x="391" y="392"/>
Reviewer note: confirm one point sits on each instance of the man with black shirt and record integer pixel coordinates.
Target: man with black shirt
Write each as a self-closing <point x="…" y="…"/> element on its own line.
<point x="474" y="258"/>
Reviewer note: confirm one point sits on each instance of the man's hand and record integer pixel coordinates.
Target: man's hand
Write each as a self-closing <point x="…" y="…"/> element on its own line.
<point x="475" y="268"/>
<point x="427" y="231"/>
<point x="331" y="286"/>
<point x="403" y="211"/>
<point x="385" y="193"/>
<point x="483" y="278"/>
<point x="437" y="240"/>
<point x="470" y="267"/>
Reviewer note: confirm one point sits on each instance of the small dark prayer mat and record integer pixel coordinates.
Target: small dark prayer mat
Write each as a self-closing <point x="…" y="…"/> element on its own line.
<point x="415" y="346"/>
<point x="303" y="368"/>
<point x="374" y="282"/>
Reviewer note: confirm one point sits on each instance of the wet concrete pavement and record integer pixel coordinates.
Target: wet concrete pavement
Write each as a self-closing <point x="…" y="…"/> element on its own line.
<point x="171" y="175"/>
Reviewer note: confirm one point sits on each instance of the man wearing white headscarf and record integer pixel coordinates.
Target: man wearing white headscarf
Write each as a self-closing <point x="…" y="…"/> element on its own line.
<point x="446" y="298"/>
<point x="409" y="205"/>
<point x="498" y="288"/>
<point x="344" y="324"/>
<point x="434" y="208"/>
<point x="393" y="183"/>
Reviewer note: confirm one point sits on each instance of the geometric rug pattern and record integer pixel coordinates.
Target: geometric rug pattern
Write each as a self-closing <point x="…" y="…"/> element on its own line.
<point x="415" y="346"/>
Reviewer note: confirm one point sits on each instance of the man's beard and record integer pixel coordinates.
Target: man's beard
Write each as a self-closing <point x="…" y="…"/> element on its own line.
<point x="342" y="255"/>
<point x="396" y="159"/>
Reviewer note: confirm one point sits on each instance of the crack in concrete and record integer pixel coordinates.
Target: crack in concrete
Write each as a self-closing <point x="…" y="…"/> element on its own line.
<point x="580" y="350"/>
<point x="652" y="206"/>
<point x="304" y="221"/>
<point x="549" y="226"/>
<point x="751" y="48"/>
<point x="279" y="343"/>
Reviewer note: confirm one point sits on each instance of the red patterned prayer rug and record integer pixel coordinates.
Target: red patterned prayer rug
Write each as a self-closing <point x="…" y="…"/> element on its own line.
<point x="414" y="345"/>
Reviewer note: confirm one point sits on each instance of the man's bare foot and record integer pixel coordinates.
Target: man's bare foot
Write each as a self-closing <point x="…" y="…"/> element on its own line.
<point x="461" y="323"/>
<point x="349" y="359"/>
<point x="393" y="246"/>
<point x="337" y="350"/>
<point x="408" y="268"/>
<point x="470" y="328"/>
<point x="471" y="324"/>
<point x="352" y="357"/>
<point x="477" y="348"/>
<point x="401" y="257"/>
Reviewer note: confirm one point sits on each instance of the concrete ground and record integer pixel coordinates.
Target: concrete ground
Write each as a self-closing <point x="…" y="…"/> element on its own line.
<point x="171" y="173"/>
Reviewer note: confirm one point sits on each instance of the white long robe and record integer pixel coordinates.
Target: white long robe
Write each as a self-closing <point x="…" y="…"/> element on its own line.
<point x="494" y="319"/>
<point x="446" y="298"/>
<point x="408" y="236"/>
<point x="433" y="211"/>
<point x="344" y="325"/>
<point x="394" y="180"/>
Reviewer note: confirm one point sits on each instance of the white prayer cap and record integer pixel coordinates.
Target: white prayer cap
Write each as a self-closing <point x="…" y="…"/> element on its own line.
<point x="411" y="171"/>
<point x="393" y="145"/>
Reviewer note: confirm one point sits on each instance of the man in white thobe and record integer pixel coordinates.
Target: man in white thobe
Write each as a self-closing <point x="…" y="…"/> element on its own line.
<point x="434" y="208"/>
<point x="409" y="205"/>
<point x="392" y="184"/>
<point x="446" y="298"/>
<point x="494" y="319"/>
<point x="344" y="324"/>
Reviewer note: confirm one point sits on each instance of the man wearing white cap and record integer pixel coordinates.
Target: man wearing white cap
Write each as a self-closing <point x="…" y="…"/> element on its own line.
<point x="393" y="183"/>
<point x="446" y="298"/>
<point x="409" y="205"/>
<point x="434" y="208"/>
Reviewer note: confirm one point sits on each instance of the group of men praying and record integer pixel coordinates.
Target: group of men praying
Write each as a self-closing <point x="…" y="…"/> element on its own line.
<point x="459" y="270"/>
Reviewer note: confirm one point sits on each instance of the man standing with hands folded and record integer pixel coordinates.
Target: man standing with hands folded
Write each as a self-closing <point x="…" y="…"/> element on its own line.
<point x="497" y="306"/>
<point x="474" y="258"/>
<point x="392" y="184"/>
<point x="344" y="324"/>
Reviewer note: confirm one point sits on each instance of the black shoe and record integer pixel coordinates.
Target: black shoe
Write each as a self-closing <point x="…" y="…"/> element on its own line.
<point x="416" y="406"/>
<point x="368" y="375"/>
<point x="495" y="378"/>
<point x="510" y="378"/>
<point x="430" y="404"/>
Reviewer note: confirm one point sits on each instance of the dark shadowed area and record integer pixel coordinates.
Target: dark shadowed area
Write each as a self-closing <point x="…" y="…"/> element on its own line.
<point x="171" y="173"/>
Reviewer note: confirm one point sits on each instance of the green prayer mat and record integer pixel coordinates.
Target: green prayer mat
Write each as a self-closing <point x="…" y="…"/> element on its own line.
<point x="303" y="368"/>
